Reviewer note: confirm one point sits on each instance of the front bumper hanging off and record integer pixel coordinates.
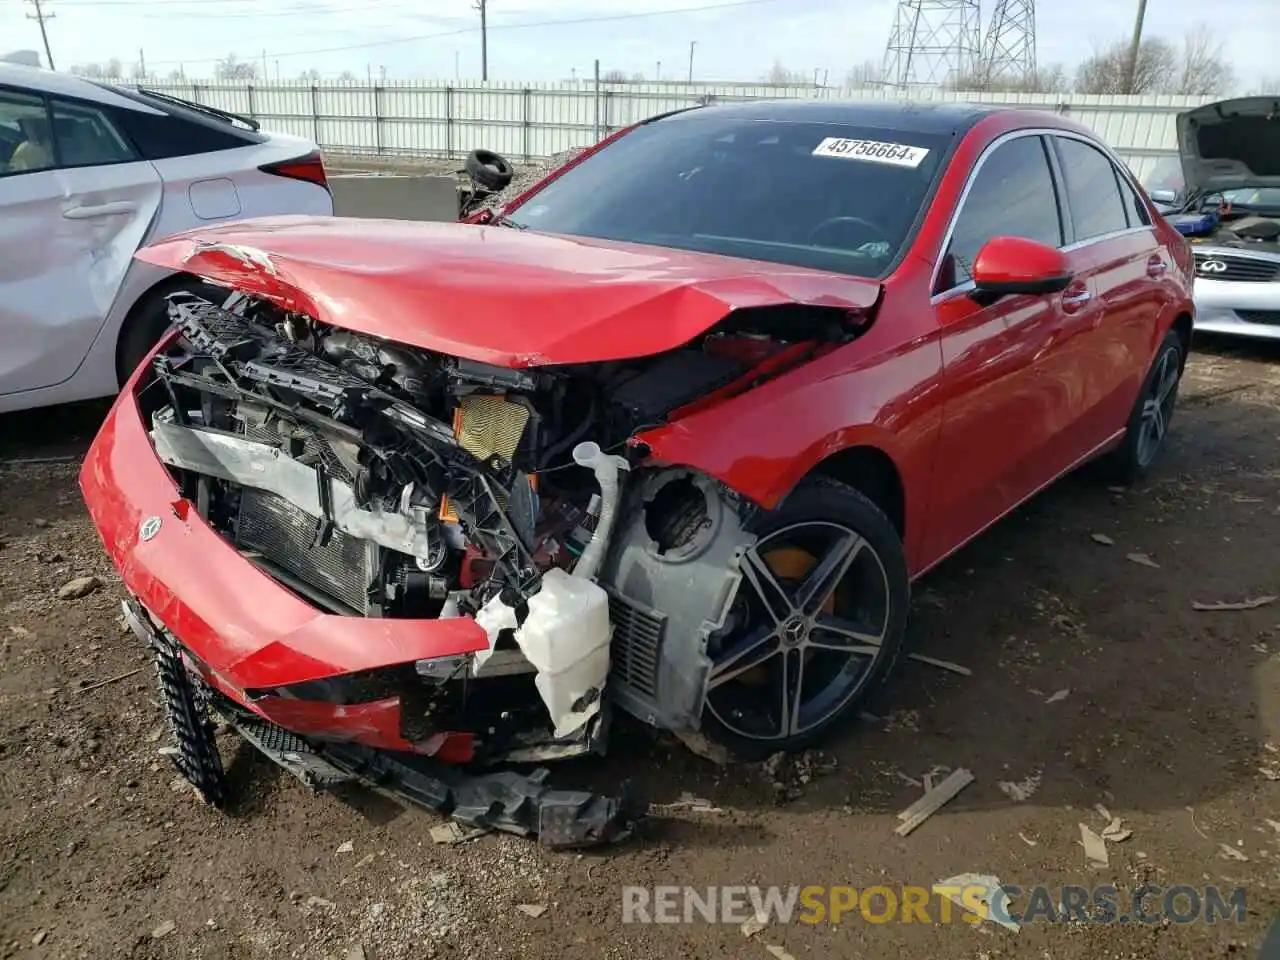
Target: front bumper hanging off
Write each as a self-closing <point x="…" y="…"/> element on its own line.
<point x="522" y="804"/>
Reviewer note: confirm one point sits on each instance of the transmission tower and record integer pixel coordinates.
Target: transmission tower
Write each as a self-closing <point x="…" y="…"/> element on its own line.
<point x="933" y="43"/>
<point x="1009" y="52"/>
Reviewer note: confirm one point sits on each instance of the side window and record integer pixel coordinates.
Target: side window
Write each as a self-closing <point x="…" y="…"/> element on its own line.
<point x="1012" y="195"/>
<point x="87" y="137"/>
<point x="1093" y="192"/>
<point x="26" y="138"/>
<point x="1134" y="208"/>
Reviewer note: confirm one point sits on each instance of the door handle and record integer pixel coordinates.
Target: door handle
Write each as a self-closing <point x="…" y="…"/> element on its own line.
<point x="116" y="208"/>
<point x="1156" y="267"/>
<point x="1072" y="302"/>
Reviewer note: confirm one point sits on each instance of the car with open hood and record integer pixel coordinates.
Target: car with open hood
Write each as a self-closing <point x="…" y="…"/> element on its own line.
<point x="668" y="434"/>
<point x="1223" y="193"/>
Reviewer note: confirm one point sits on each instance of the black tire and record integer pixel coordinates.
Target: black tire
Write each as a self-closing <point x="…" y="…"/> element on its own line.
<point x="1136" y="453"/>
<point x="489" y="170"/>
<point x="149" y="320"/>
<point x="816" y="504"/>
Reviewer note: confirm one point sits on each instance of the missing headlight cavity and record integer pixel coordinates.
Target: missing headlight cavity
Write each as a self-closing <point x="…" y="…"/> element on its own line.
<point x="677" y="517"/>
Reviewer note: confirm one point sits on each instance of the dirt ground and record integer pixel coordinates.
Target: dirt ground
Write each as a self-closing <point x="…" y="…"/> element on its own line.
<point x="1090" y="671"/>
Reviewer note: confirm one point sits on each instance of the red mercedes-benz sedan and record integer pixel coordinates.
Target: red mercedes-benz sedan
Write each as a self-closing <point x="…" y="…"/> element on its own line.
<point x="672" y="432"/>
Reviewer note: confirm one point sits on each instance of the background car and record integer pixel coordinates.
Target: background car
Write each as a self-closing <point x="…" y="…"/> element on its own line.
<point x="88" y="174"/>
<point x="1223" y="193"/>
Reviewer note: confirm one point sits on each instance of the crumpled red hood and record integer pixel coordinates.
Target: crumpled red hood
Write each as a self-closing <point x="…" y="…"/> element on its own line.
<point x="497" y="295"/>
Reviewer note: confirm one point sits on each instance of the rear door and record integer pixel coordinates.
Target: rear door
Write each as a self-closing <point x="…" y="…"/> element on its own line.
<point x="74" y="207"/>
<point x="1114" y="248"/>
<point x="1005" y="404"/>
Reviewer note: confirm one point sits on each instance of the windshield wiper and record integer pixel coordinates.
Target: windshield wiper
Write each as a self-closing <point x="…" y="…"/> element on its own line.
<point x="202" y="108"/>
<point x="502" y="220"/>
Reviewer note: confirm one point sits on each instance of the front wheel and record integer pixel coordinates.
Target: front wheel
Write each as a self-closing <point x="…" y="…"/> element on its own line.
<point x="817" y="622"/>
<point x="1152" y="412"/>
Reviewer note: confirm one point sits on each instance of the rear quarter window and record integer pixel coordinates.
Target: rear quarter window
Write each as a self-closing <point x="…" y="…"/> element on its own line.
<point x="162" y="135"/>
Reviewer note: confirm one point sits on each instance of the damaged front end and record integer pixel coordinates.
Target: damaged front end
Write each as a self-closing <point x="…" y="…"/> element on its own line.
<point x="390" y="559"/>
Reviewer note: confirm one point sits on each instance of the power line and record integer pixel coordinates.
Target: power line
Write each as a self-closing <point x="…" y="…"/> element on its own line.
<point x="500" y="26"/>
<point x="41" y="17"/>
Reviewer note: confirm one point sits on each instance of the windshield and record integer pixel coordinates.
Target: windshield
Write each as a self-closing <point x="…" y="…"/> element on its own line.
<point x="819" y="195"/>
<point x="1165" y="185"/>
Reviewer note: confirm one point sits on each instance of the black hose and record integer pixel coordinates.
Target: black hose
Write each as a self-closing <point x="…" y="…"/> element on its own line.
<point x="566" y="442"/>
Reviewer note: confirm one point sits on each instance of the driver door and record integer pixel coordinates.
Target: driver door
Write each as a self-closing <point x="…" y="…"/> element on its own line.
<point x="1007" y="404"/>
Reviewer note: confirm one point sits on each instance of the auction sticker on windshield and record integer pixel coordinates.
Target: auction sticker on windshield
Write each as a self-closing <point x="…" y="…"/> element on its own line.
<point x="874" y="151"/>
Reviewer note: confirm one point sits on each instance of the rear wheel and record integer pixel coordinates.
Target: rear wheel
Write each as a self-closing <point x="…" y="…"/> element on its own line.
<point x="149" y="320"/>
<point x="816" y="624"/>
<point x="1152" y="412"/>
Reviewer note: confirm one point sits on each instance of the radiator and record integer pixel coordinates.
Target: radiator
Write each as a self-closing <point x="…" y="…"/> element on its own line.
<point x="273" y="527"/>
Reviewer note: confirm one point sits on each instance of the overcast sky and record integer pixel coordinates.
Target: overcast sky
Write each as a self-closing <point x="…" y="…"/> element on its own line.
<point x="440" y="38"/>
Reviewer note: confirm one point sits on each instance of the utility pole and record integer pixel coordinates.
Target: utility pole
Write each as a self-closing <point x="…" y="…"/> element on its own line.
<point x="41" y="17"/>
<point x="264" y="66"/>
<point x="142" y="64"/>
<point x="484" y="39"/>
<point x="1131" y="68"/>
<point x="657" y="74"/>
<point x="692" y="44"/>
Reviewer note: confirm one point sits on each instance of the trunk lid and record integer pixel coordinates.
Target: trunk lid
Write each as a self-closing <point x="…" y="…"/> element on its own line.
<point x="498" y="295"/>
<point x="1230" y="144"/>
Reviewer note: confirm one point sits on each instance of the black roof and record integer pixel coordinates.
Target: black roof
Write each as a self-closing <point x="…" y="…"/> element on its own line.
<point x="942" y="118"/>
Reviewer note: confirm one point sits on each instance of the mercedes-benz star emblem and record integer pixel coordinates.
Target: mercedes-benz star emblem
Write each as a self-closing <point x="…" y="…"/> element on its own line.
<point x="150" y="527"/>
<point x="1213" y="266"/>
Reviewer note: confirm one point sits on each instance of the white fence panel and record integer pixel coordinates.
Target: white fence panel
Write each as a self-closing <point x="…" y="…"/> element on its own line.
<point x="526" y="121"/>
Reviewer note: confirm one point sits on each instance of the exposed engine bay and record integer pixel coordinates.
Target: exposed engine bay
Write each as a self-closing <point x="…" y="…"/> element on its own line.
<point x="378" y="480"/>
<point x="1243" y="231"/>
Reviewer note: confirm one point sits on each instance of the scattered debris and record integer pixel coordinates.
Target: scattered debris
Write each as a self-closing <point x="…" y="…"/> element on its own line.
<point x="995" y="900"/>
<point x="1118" y="489"/>
<point x="79" y="587"/>
<point x="777" y="952"/>
<point x="320" y="902"/>
<point x="1095" y="848"/>
<point x="346" y="847"/>
<point x="1142" y="559"/>
<point x="356" y="952"/>
<point x="534" y="910"/>
<point x="1273" y="824"/>
<point x="1103" y="812"/>
<point x="453" y="832"/>
<point x="39" y="938"/>
<point x="1103" y="539"/>
<point x="1270" y="772"/>
<point x="116" y="679"/>
<point x="1251" y="604"/>
<point x="22" y="633"/>
<point x="753" y="926"/>
<point x="1058" y="695"/>
<point x="1231" y="853"/>
<point x="1195" y="826"/>
<point x="933" y="801"/>
<point x="687" y="801"/>
<point x="1020" y="790"/>
<point x="941" y="664"/>
<point x="927" y="780"/>
<point x="1116" y="831"/>
<point x="1027" y="840"/>
<point x="163" y="930"/>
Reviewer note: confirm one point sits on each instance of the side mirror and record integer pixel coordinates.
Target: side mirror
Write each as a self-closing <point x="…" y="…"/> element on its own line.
<point x="1164" y="196"/>
<point x="1011" y="265"/>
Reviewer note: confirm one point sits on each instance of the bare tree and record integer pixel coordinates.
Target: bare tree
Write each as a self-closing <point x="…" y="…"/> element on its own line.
<point x="347" y="77"/>
<point x="1269" y="87"/>
<point x="1052" y="79"/>
<point x="1106" y="72"/>
<point x="311" y="76"/>
<point x="865" y="74"/>
<point x="780" y="75"/>
<point x="1204" y="69"/>
<point x="613" y="76"/>
<point x="233" y="68"/>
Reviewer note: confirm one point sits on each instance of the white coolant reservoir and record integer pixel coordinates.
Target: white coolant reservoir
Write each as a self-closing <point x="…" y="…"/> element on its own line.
<point x="566" y="638"/>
